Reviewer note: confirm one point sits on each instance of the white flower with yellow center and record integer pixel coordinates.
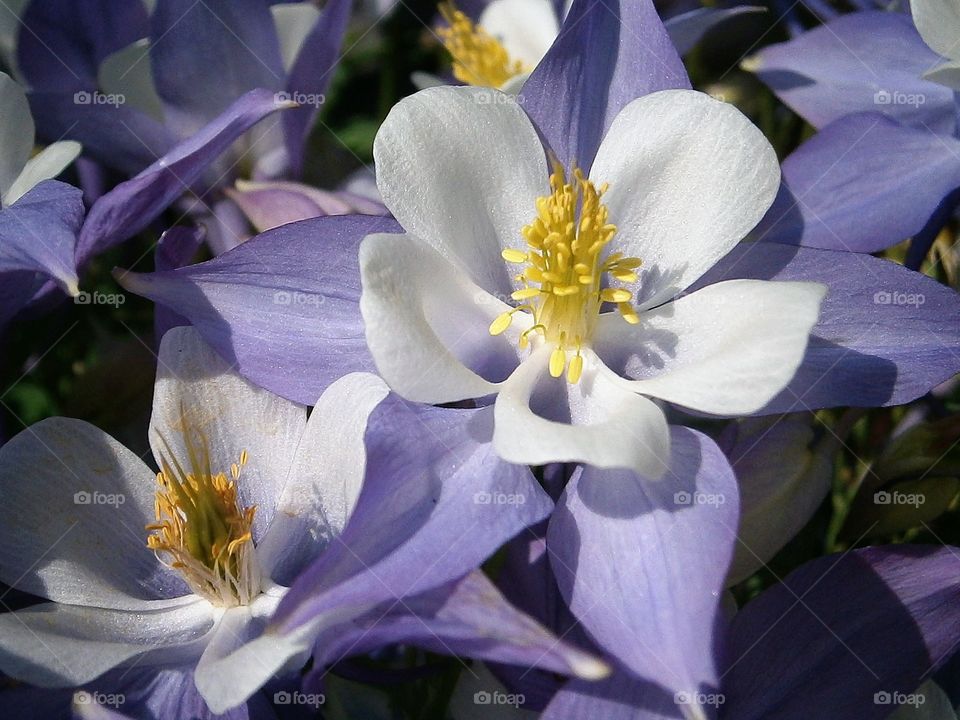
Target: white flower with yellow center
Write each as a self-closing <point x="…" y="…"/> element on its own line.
<point x="559" y="290"/>
<point x="178" y="569"/>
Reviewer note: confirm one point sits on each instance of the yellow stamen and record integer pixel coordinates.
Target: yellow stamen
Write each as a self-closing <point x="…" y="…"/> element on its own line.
<point x="201" y="528"/>
<point x="565" y="271"/>
<point x="478" y="57"/>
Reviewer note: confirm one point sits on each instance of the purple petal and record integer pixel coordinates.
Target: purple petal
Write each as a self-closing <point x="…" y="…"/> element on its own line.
<point x="61" y="43"/>
<point x="207" y="54"/>
<point x="886" y="335"/>
<point x="39" y="231"/>
<point x="311" y="74"/>
<point x="608" y="53"/>
<point x="133" y="205"/>
<point x="688" y="28"/>
<point x="863" y="183"/>
<point x="620" y="697"/>
<point x="175" y="248"/>
<point x="284" y="306"/>
<point x="118" y="136"/>
<point x="861" y="62"/>
<point x="841" y="630"/>
<point x="436" y="502"/>
<point x="642" y="563"/>
<point x="467" y="618"/>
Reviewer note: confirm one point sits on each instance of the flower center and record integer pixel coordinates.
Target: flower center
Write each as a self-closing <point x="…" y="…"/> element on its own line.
<point x="202" y="529"/>
<point x="478" y="57"/>
<point x="565" y="269"/>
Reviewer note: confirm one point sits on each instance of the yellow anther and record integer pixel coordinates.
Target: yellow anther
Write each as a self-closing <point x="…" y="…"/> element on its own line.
<point x="501" y="323"/>
<point x="575" y="369"/>
<point x="566" y="270"/>
<point x="514" y="256"/>
<point x="478" y="57"/>
<point x="558" y="358"/>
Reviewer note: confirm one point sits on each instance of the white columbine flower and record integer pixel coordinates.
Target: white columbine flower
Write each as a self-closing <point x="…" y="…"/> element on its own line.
<point x="182" y="567"/>
<point x="560" y="291"/>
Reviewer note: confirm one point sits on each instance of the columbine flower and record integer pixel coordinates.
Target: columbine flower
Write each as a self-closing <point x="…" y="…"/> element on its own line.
<point x="678" y="180"/>
<point x="178" y="569"/>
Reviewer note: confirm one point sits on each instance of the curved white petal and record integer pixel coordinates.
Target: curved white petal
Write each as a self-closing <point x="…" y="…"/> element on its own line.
<point x="128" y="73"/>
<point x="325" y="478"/>
<point x="526" y="28"/>
<point x="74" y="504"/>
<point x="689" y="177"/>
<point x="461" y="168"/>
<point x="236" y="628"/>
<point x="939" y="24"/>
<point x="608" y="426"/>
<point x="198" y="390"/>
<point x="293" y="22"/>
<point x="947" y="73"/>
<point x="56" y="645"/>
<point x="46" y="164"/>
<point x="16" y="131"/>
<point x="726" y="349"/>
<point x="427" y="323"/>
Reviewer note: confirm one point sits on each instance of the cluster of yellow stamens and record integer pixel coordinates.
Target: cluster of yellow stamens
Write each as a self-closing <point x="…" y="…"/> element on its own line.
<point x="478" y="57"/>
<point x="565" y="271"/>
<point x="201" y="528"/>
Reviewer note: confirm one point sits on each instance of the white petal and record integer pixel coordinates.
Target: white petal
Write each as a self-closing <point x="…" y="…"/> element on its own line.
<point x="196" y="384"/>
<point x="128" y="72"/>
<point x="608" y="426"/>
<point x="526" y="28"/>
<point x="726" y="349"/>
<point x="939" y="24"/>
<point x="251" y="665"/>
<point x="56" y="645"/>
<point x="689" y="177"/>
<point x="45" y="165"/>
<point x="293" y="23"/>
<point x="427" y="323"/>
<point x="237" y="627"/>
<point x="74" y="504"/>
<point x="16" y="131"/>
<point x="947" y="73"/>
<point x="325" y="477"/>
<point x="461" y="168"/>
